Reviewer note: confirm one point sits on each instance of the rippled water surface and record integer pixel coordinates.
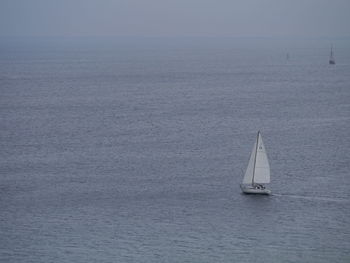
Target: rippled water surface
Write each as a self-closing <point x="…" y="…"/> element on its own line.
<point x="134" y="153"/>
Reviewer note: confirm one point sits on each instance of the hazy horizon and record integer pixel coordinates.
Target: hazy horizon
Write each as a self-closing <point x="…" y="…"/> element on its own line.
<point x="165" y="18"/>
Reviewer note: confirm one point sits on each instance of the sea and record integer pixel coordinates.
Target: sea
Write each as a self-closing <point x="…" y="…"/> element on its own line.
<point x="132" y="149"/>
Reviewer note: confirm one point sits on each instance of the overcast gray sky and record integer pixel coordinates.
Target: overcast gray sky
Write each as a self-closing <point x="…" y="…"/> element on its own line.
<point x="232" y="18"/>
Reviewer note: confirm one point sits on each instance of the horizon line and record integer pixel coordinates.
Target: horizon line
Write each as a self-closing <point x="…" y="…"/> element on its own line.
<point x="175" y="36"/>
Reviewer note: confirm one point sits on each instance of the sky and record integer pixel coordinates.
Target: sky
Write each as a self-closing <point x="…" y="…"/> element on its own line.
<point x="176" y="18"/>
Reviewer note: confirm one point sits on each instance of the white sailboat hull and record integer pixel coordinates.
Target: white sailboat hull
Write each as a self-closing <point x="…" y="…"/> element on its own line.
<point x="249" y="189"/>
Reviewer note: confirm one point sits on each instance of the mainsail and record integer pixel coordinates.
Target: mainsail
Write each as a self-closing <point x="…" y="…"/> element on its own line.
<point x="258" y="170"/>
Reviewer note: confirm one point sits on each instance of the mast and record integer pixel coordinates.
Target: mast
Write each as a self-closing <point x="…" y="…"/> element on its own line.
<point x="256" y="151"/>
<point x="331" y="58"/>
<point x="331" y="52"/>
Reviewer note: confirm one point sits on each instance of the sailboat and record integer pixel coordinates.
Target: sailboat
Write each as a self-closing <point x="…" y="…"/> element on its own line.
<point x="258" y="170"/>
<point x="331" y="58"/>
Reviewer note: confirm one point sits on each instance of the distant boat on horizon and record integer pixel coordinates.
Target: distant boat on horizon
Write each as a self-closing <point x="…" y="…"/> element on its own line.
<point x="258" y="170"/>
<point x="331" y="57"/>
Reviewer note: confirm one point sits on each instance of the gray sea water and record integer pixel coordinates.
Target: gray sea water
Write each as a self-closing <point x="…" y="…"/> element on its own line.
<point x="123" y="151"/>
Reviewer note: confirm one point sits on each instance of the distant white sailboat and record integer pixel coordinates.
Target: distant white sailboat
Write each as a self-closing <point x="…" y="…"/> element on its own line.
<point x="258" y="170"/>
<point x="331" y="57"/>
